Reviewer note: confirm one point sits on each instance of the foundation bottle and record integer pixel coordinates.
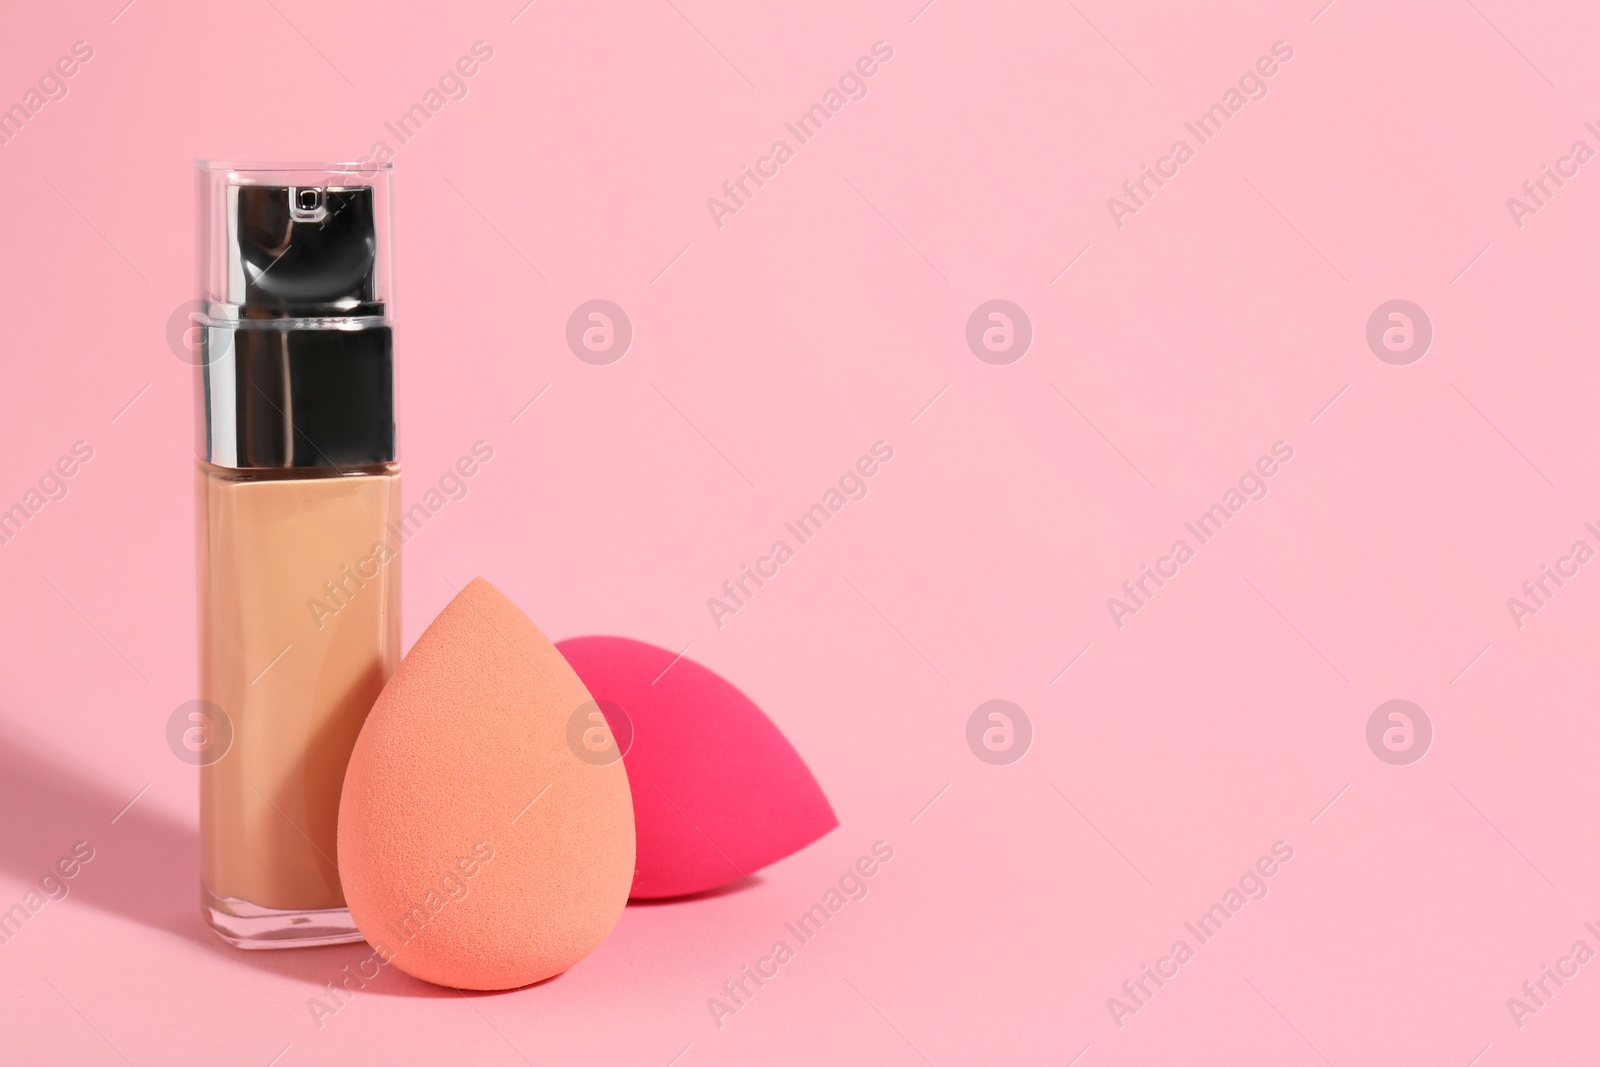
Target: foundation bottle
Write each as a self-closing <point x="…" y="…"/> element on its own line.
<point x="297" y="494"/>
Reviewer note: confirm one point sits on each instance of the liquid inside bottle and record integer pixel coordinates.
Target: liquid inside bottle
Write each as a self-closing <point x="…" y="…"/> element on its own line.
<point x="299" y="587"/>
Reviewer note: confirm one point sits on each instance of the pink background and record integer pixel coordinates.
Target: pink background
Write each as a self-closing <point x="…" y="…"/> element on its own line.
<point x="826" y="315"/>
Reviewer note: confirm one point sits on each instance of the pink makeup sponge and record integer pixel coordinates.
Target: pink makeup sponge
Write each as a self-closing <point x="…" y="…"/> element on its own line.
<point x="718" y="792"/>
<point x="476" y="848"/>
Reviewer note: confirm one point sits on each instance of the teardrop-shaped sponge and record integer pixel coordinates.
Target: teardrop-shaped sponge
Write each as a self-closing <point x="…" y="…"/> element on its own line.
<point x="718" y="791"/>
<point x="476" y="848"/>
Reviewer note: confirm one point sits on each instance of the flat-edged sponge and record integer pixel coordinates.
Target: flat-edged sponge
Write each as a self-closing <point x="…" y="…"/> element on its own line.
<point x="476" y="847"/>
<point x="718" y="791"/>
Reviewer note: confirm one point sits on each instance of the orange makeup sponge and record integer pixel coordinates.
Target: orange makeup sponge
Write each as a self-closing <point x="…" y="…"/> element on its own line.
<point x="476" y="848"/>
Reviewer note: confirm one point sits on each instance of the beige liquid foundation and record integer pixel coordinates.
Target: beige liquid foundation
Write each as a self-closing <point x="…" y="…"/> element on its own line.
<point x="297" y="495"/>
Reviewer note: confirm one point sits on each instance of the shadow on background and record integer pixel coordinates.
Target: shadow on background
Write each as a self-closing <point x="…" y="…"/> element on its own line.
<point x="739" y="886"/>
<point x="146" y="868"/>
<point x="146" y="865"/>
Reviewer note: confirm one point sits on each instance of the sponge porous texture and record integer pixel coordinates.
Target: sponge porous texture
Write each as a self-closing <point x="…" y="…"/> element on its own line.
<point x="477" y="849"/>
<point x="718" y="791"/>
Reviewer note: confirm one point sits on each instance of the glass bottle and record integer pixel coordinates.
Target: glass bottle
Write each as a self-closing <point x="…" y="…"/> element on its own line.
<point x="297" y="499"/>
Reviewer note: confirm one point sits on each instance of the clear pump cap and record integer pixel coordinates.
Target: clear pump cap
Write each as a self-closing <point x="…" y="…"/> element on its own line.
<point x="295" y="241"/>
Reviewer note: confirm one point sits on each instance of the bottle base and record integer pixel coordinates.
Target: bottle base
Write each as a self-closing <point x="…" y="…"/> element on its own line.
<point x="250" y="926"/>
